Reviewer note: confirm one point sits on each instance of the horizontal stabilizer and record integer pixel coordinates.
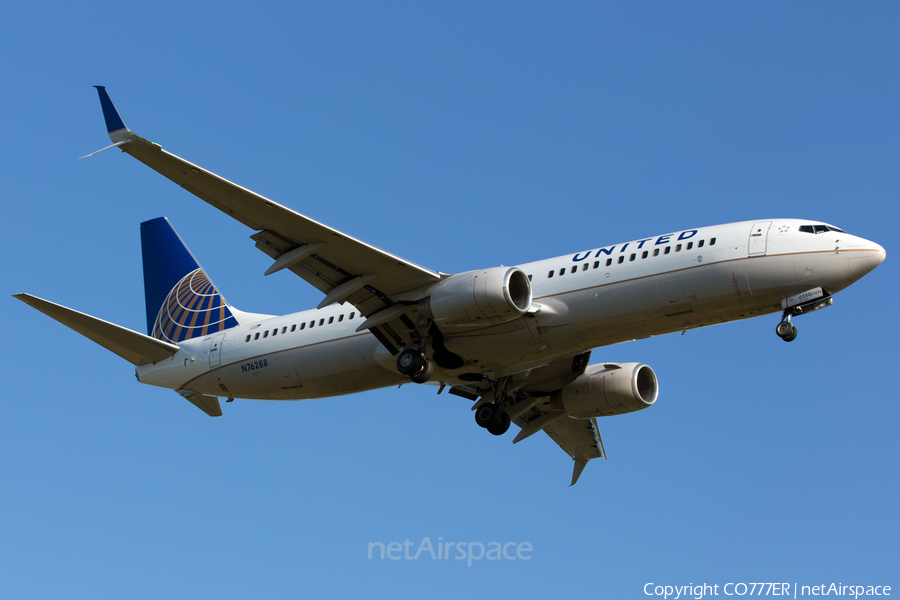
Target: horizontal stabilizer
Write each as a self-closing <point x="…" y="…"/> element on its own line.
<point x="136" y="348"/>
<point x="208" y="404"/>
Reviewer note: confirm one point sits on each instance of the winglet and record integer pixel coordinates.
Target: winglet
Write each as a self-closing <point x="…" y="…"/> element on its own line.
<point x="118" y="131"/>
<point x="576" y="472"/>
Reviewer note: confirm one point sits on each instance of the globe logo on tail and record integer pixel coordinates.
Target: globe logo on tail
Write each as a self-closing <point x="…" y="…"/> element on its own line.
<point x="192" y="309"/>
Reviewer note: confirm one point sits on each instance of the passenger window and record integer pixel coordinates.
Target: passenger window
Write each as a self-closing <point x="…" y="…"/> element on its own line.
<point x="248" y="339"/>
<point x="340" y="318"/>
<point x="700" y="243"/>
<point x="529" y="278"/>
<point x="256" y="337"/>
<point x="330" y="320"/>
<point x="621" y="259"/>
<point x="596" y="264"/>
<point x="690" y="245"/>
<point x="283" y="329"/>
<point x="574" y="268"/>
<point x="293" y="328"/>
<point x="351" y="316"/>
<point x="562" y="272"/>
<point x="656" y="252"/>
<point x="677" y="247"/>
<point x="644" y="255"/>
<point x="608" y="261"/>
<point x="312" y="324"/>
<point x="266" y="334"/>
<point x="632" y="257"/>
<point x="321" y="321"/>
<point x="584" y="267"/>
<point x="712" y="241"/>
<point x="302" y="325"/>
<point x="667" y="249"/>
<point x="550" y="274"/>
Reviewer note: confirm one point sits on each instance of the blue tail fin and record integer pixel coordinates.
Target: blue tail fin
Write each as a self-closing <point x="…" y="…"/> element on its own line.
<point x="182" y="302"/>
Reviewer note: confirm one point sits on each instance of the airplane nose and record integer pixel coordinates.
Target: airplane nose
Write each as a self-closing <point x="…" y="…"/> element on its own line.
<point x="877" y="253"/>
<point x="868" y="255"/>
<point x="880" y="254"/>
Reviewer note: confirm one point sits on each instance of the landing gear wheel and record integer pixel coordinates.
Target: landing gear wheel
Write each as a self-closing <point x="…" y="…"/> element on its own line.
<point x="501" y="427"/>
<point x="425" y="374"/>
<point x="786" y="331"/>
<point x="488" y="415"/>
<point x="410" y="362"/>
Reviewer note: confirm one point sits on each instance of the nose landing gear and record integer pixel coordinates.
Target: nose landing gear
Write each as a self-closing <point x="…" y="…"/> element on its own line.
<point x="800" y="304"/>
<point x="786" y="330"/>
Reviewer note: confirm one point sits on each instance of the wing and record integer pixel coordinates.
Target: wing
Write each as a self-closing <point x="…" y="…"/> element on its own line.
<point x="340" y="266"/>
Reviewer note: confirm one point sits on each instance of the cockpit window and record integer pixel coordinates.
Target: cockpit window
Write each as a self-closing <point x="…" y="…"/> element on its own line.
<point x="819" y="229"/>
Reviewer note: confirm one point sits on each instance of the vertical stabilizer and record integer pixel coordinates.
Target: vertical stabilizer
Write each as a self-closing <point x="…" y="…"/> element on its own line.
<point x="182" y="302"/>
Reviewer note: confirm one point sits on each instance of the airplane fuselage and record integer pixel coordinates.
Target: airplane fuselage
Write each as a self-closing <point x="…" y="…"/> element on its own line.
<point x="642" y="288"/>
<point x="516" y="341"/>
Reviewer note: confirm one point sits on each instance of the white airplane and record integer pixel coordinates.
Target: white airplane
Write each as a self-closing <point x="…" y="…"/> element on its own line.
<point x="514" y="340"/>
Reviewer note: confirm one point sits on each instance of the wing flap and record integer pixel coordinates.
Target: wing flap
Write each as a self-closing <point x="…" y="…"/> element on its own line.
<point x="136" y="348"/>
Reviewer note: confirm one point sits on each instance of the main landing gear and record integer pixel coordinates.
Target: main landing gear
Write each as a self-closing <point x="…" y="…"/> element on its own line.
<point x="414" y="364"/>
<point x="493" y="418"/>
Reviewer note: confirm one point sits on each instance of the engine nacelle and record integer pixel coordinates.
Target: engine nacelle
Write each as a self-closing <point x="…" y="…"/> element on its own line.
<point x="482" y="297"/>
<point x="608" y="389"/>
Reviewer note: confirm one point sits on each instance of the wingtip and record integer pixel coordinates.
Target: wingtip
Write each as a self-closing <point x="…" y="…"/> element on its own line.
<point x="115" y="125"/>
<point x="26" y="298"/>
<point x="576" y="472"/>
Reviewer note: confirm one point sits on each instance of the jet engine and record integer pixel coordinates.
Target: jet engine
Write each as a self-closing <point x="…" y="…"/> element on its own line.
<point x="483" y="297"/>
<point x="608" y="389"/>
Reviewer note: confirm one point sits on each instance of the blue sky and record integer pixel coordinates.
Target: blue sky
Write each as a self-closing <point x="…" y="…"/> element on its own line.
<point x="458" y="135"/>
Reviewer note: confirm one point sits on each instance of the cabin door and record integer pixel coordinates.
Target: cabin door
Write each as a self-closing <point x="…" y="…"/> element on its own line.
<point x="215" y="350"/>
